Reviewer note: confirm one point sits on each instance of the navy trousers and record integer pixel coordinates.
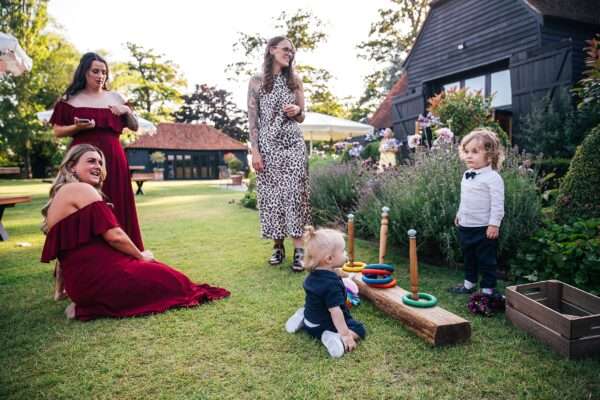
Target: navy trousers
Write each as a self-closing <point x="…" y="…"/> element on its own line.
<point x="480" y="254"/>
<point x="353" y="325"/>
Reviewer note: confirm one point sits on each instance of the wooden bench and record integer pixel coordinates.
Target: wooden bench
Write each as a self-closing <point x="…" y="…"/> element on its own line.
<point x="139" y="178"/>
<point x="10" y="171"/>
<point x="133" y="169"/>
<point x="9" y="202"/>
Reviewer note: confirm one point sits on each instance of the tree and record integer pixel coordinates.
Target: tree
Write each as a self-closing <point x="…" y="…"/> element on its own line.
<point x="303" y="29"/>
<point x="152" y="83"/>
<point x="215" y="107"/>
<point x="24" y="139"/>
<point x="390" y="39"/>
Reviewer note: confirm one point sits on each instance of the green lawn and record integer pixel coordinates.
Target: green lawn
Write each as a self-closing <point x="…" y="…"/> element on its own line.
<point x="237" y="348"/>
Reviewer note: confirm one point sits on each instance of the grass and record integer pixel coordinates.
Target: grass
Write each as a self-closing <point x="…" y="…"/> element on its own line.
<point x="237" y="348"/>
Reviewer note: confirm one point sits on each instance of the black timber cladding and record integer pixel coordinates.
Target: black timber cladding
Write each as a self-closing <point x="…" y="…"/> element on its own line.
<point x="461" y="39"/>
<point x="490" y="30"/>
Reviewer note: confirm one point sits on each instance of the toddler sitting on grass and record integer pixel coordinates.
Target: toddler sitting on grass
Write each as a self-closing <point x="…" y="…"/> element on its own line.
<point x="325" y="315"/>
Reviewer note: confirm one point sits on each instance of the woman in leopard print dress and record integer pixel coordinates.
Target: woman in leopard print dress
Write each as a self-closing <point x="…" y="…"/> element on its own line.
<point x="275" y="107"/>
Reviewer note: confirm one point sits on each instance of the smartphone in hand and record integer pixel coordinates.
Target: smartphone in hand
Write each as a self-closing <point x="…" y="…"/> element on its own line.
<point x="82" y="121"/>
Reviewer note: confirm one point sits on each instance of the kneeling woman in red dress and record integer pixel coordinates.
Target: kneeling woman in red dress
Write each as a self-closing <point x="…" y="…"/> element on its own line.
<point x="105" y="274"/>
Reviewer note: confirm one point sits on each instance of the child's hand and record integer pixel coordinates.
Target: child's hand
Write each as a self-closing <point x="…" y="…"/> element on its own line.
<point x="349" y="342"/>
<point x="492" y="232"/>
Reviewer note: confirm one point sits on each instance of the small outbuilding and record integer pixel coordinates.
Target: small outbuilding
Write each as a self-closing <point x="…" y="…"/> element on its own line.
<point x="190" y="151"/>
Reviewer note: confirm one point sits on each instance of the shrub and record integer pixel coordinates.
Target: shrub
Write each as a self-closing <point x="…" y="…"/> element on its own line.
<point x="588" y="89"/>
<point x="249" y="199"/>
<point x="578" y="192"/>
<point x="570" y="253"/>
<point x="371" y="151"/>
<point x="555" y="127"/>
<point x="235" y="165"/>
<point x="426" y="197"/>
<point x="334" y="190"/>
<point x="463" y="111"/>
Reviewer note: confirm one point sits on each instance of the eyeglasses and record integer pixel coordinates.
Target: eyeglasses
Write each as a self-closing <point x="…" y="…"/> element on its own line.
<point x="286" y="50"/>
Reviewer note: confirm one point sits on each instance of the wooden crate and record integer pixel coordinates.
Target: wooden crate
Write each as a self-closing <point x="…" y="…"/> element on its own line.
<point x="560" y="315"/>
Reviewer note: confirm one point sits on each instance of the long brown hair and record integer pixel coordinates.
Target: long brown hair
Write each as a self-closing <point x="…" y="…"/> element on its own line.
<point x="288" y="72"/>
<point x="85" y="63"/>
<point x="65" y="175"/>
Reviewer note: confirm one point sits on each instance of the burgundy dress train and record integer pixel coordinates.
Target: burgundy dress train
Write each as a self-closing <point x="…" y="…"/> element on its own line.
<point x="105" y="136"/>
<point x="103" y="282"/>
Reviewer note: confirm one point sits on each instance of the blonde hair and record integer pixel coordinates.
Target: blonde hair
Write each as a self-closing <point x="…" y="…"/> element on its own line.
<point x="65" y="175"/>
<point x="319" y="244"/>
<point x="490" y="144"/>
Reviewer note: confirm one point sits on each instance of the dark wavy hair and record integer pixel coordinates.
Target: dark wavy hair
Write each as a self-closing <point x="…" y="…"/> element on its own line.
<point x="288" y="72"/>
<point x="78" y="82"/>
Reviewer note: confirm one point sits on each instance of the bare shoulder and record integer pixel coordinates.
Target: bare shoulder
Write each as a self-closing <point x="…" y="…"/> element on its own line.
<point x="79" y="194"/>
<point x="115" y="97"/>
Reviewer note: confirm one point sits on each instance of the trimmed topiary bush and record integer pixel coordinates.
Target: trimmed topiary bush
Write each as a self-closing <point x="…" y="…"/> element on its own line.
<point x="578" y="193"/>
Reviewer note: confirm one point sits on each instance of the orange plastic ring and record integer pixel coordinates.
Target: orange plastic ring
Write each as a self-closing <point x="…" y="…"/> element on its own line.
<point x="384" y="285"/>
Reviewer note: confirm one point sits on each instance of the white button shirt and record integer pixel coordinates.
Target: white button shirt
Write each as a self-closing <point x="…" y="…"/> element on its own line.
<point x="481" y="199"/>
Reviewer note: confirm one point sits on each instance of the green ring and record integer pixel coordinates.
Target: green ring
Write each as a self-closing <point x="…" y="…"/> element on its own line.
<point x="430" y="300"/>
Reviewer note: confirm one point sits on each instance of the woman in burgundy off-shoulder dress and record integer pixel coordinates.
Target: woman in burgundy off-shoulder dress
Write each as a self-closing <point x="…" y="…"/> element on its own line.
<point x="105" y="274"/>
<point x="89" y="113"/>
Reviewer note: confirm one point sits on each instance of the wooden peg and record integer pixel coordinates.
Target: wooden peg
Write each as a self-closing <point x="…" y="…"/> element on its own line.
<point x="414" y="269"/>
<point x="383" y="234"/>
<point x="351" y="239"/>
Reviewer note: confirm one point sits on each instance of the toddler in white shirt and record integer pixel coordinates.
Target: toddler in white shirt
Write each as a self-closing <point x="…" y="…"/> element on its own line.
<point x="481" y="210"/>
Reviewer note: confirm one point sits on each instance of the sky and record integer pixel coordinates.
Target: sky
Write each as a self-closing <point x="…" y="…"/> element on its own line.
<point x="198" y="35"/>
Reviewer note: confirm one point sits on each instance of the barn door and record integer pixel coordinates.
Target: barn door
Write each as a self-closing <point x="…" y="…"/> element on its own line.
<point x="534" y="75"/>
<point x="405" y="111"/>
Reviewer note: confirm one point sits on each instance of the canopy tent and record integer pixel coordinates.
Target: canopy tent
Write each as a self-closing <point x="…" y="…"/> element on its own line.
<point x="321" y="127"/>
<point x="13" y="58"/>
<point x="145" y="126"/>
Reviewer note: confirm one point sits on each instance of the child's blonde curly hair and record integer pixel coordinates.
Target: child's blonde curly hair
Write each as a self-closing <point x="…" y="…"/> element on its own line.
<point x="320" y="243"/>
<point x="490" y="144"/>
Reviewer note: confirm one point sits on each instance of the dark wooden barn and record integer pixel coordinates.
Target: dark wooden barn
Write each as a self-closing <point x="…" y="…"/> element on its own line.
<point x="191" y="151"/>
<point x="521" y="50"/>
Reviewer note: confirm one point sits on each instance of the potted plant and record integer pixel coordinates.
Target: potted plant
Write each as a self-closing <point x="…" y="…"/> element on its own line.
<point x="235" y="166"/>
<point x="158" y="159"/>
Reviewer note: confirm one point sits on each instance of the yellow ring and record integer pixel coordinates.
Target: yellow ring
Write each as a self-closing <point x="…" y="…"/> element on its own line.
<point x="356" y="266"/>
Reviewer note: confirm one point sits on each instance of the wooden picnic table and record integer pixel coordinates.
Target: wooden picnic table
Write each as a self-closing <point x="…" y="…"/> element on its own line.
<point x="9" y="202"/>
<point x="139" y="178"/>
<point x="134" y="169"/>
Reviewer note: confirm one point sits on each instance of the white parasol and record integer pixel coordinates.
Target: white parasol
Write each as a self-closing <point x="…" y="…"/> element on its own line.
<point x="13" y="58"/>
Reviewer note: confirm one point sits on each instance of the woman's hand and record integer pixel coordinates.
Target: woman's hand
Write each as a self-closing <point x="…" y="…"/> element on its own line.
<point x="147" y="256"/>
<point x="83" y="124"/>
<point x="119" y="109"/>
<point x="291" y="110"/>
<point x="257" y="161"/>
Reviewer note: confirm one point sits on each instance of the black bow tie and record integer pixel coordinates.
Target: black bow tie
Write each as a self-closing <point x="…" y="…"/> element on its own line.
<point x="470" y="175"/>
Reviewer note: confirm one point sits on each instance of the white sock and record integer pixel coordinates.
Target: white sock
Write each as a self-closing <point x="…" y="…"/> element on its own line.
<point x="487" y="291"/>
<point x="295" y="322"/>
<point x="468" y="284"/>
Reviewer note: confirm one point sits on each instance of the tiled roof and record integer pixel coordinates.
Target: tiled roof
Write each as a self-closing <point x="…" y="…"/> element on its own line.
<point x="577" y="10"/>
<point x="178" y="136"/>
<point x="382" y="117"/>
